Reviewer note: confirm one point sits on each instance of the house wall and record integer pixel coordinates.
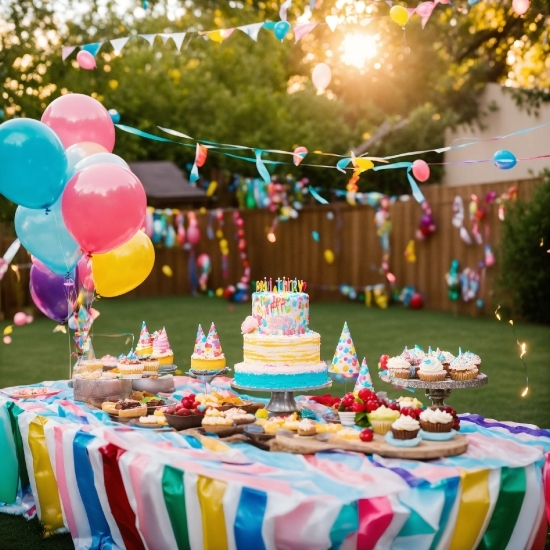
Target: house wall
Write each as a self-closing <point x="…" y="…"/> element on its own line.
<point x="507" y="119"/>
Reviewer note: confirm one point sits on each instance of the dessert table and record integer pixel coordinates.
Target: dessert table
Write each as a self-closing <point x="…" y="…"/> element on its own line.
<point x="114" y="487"/>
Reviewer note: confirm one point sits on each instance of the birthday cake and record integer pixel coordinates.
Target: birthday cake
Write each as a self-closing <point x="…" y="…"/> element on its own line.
<point x="280" y="352"/>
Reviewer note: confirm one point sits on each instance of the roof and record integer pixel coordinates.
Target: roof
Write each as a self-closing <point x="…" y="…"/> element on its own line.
<point x="162" y="179"/>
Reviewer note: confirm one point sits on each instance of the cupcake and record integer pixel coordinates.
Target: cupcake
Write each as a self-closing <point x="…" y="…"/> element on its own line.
<point x="150" y="365"/>
<point x="416" y="356"/>
<point x="405" y="427"/>
<point x="399" y="367"/>
<point x="145" y="343"/>
<point x="473" y="358"/>
<point x="436" y="420"/>
<point x="307" y="427"/>
<point x="239" y="416"/>
<point x="381" y="419"/>
<point x="161" y="348"/>
<point x="411" y="402"/>
<point x="207" y="353"/>
<point x="215" y="420"/>
<point x="109" y="362"/>
<point x="461" y="368"/>
<point x="130" y="366"/>
<point x="89" y="365"/>
<point x="445" y="357"/>
<point x="431" y="370"/>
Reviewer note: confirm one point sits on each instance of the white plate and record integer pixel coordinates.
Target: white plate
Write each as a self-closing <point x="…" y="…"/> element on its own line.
<point x="26" y="392"/>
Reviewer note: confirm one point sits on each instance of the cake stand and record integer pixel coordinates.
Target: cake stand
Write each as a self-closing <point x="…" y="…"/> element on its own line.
<point x="206" y="376"/>
<point x="437" y="392"/>
<point x="282" y="401"/>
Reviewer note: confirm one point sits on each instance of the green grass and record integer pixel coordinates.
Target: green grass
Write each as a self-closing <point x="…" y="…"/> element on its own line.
<point x="38" y="354"/>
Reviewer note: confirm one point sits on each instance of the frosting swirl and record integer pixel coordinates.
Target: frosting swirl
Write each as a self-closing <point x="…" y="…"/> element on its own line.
<point x="395" y="363"/>
<point x="431" y="364"/>
<point x="436" y="416"/>
<point x="406" y="423"/>
<point x="472" y="357"/>
<point x="383" y="413"/>
<point x="249" y="325"/>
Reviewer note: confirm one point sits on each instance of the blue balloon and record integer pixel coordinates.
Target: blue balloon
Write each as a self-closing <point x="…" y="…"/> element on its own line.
<point x="45" y="236"/>
<point x="33" y="163"/>
<point x="281" y="29"/>
<point x="98" y="158"/>
<point x="504" y="160"/>
<point x="115" y="115"/>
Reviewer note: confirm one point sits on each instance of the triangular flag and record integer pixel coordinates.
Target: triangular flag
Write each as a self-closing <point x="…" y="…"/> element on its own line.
<point x="149" y="37"/>
<point x="194" y="174"/>
<point x="283" y="9"/>
<point x="301" y="30"/>
<point x="200" y="155"/>
<point x="66" y="51"/>
<point x="119" y="43"/>
<point x="227" y="33"/>
<point x="364" y="381"/>
<point x="92" y="48"/>
<point x="333" y="21"/>
<point x="165" y="37"/>
<point x="345" y="359"/>
<point x="215" y="36"/>
<point x="425" y="10"/>
<point x="178" y="38"/>
<point x="252" y="30"/>
<point x="410" y="11"/>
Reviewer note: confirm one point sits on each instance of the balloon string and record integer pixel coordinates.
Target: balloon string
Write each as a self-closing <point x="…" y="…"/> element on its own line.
<point x="70" y="353"/>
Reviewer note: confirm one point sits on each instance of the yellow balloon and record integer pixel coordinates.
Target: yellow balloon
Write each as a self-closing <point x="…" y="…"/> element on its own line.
<point x="124" y="268"/>
<point x="219" y="292"/>
<point x="167" y="270"/>
<point x="399" y="15"/>
<point x="329" y="256"/>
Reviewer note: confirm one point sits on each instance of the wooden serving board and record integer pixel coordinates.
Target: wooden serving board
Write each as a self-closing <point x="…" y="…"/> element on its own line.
<point x="425" y="450"/>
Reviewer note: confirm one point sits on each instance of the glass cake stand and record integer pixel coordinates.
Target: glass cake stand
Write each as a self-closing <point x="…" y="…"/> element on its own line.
<point x="206" y="376"/>
<point x="282" y="401"/>
<point x="437" y="392"/>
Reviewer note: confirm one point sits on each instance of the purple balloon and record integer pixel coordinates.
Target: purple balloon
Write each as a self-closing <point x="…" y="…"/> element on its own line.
<point x="54" y="295"/>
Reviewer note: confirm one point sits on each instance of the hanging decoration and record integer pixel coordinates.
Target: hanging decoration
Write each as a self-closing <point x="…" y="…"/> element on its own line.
<point x="193" y="238"/>
<point x="476" y="215"/>
<point x="458" y="219"/>
<point x="240" y="292"/>
<point x="410" y="253"/>
<point x="453" y="281"/>
<point x="469" y="283"/>
<point x="426" y="226"/>
<point x="204" y="264"/>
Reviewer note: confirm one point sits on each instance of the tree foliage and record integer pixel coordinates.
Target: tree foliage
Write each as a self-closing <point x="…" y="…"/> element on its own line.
<point x="260" y="94"/>
<point x="525" y="264"/>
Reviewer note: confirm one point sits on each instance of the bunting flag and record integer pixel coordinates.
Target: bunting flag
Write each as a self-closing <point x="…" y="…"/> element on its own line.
<point x="252" y="30"/>
<point x="66" y="51"/>
<point x="301" y="30"/>
<point x="119" y="43"/>
<point x="122" y="488"/>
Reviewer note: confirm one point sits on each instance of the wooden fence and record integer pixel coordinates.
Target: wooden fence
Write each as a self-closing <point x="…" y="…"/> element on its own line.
<point x="349" y="231"/>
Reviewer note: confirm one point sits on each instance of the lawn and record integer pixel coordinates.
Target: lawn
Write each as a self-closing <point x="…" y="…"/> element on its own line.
<point x="37" y="353"/>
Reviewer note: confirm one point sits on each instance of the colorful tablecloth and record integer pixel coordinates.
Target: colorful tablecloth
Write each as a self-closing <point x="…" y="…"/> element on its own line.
<point x="113" y="487"/>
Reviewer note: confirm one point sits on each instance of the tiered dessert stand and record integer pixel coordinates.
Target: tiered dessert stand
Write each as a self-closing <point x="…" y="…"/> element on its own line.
<point x="282" y="401"/>
<point x="437" y="392"/>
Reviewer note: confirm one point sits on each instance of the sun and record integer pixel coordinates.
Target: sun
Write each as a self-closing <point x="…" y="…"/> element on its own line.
<point x="357" y="48"/>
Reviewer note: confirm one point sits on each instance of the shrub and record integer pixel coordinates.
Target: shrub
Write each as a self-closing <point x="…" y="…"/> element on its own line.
<point x="525" y="264"/>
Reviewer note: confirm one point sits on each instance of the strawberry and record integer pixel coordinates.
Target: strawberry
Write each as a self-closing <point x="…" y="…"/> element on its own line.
<point x="366" y="435"/>
<point x="383" y="363"/>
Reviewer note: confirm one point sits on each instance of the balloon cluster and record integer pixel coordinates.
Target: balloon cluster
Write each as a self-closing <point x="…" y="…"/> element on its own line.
<point x="77" y="201"/>
<point x="19" y="319"/>
<point x="453" y="281"/>
<point x="240" y="292"/>
<point x="426" y="226"/>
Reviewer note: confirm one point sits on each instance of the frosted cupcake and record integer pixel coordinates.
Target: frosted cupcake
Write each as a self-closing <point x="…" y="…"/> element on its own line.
<point x="109" y="362"/>
<point x="462" y="369"/>
<point x="405" y="427"/>
<point x="381" y="419"/>
<point x="130" y="366"/>
<point x="445" y="357"/>
<point x="412" y="402"/>
<point x="145" y="343"/>
<point x="436" y="420"/>
<point x="150" y="365"/>
<point x="399" y="367"/>
<point x="474" y="359"/>
<point x="431" y="370"/>
<point x="161" y="348"/>
<point x="89" y="365"/>
<point x="239" y="416"/>
<point x="416" y="356"/>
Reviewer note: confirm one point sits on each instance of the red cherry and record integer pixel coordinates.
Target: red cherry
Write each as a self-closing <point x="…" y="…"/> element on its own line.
<point x="191" y="396"/>
<point x="365" y="394"/>
<point x="448" y="409"/>
<point x="366" y="435"/>
<point x="393" y="406"/>
<point x="371" y="406"/>
<point x="349" y="410"/>
<point x="347" y="401"/>
<point x="384" y="361"/>
<point x="358" y="407"/>
<point x="196" y="405"/>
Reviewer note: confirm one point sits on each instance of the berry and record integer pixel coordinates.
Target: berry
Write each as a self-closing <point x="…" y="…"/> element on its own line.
<point x="184" y="412"/>
<point x="372" y="406"/>
<point x="449" y="410"/>
<point x="358" y="407"/>
<point x="347" y="401"/>
<point x="384" y="361"/>
<point x="393" y="406"/>
<point x="170" y="410"/>
<point x="196" y="404"/>
<point x="366" y="435"/>
<point x="191" y="396"/>
<point x="349" y="410"/>
<point x="365" y="394"/>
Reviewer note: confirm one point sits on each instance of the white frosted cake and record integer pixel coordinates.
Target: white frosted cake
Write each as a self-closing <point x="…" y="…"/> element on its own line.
<point x="280" y="351"/>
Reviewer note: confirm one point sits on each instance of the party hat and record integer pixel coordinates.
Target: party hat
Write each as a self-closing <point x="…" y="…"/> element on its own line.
<point x="345" y="359"/>
<point x="200" y="342"/>
<point x="213" y="342"/>
<point x="364" y="381"/>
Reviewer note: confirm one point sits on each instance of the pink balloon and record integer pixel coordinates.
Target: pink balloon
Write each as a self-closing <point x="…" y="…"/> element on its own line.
<point x="103" y="207"/>
<point x="520" y="6"/>
<point x="76" y="118"/>
<point x="193" y="235"/>
<point x="20" y="319"/>
<point x="85" y="60"/>
<point x="84" y="267"/>
<point x="321" y="76"/>
<point x="420" y="170"/>
<point x="29" y="319"/>
<point x="79" y="151"/>
<point x="7" y="340"/>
